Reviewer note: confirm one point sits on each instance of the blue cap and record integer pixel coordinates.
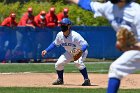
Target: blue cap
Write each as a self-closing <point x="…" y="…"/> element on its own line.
<point x="66" y="21"/>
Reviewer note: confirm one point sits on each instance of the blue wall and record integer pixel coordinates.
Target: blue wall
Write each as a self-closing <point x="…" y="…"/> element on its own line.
<point x="26" y="42"/>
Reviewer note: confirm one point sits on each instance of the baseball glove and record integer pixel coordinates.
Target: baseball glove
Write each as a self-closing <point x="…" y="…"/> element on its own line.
<point x="77" y="53"/>
<point x="125" y="39"/>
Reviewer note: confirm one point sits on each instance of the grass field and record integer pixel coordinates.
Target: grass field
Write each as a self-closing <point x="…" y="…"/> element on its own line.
<point x="49" y="68"/>
<point x="59" y="90"/>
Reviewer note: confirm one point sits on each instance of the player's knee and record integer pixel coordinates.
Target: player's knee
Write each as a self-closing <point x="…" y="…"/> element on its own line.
<point x="59" y="66"/>
<point x="80" y="66"/>
<point x="114" y="72"/>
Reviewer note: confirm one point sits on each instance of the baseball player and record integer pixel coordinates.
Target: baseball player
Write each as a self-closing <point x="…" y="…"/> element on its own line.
<point x="123" y="15"/>
<point x="73" y="43"/>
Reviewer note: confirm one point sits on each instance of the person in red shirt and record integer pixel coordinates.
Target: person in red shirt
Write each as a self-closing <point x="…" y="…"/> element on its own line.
<point x="28" y="19"/>
<point x="41" y="20"/>
<point x="51" y="18"/>
<point x="63" y="14"/>
<point x="10" y="21"/>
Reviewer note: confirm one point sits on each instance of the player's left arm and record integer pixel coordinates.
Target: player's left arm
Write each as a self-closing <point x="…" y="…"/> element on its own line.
<point x="94" y="6"/>
<point x="85" y="4"/>
<point x="84" y="47"/>
<point x="82" y="42"/>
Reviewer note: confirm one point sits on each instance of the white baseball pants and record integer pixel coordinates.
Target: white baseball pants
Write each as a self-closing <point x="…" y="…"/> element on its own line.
<point x="126" y="64"/>
<point x="67" y="57"/>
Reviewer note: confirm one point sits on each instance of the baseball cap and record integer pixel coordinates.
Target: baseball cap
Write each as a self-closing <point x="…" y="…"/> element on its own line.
<point x="65" y="21"/>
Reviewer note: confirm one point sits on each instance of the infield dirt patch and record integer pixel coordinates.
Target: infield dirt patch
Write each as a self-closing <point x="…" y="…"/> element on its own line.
<point x="71" y="80"/>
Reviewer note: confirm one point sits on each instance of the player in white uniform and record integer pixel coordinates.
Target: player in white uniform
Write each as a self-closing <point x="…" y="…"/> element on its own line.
<point x="120" y="13"/>
<point x="70" y="40"/>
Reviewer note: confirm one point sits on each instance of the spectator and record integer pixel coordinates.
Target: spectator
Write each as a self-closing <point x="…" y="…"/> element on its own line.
<point x="51" y="18"/>
<point x="63" y="14"/>
<point x="10" y="21"/>
<point x="9" y="36"/>
<point x="40" y="19"/>
<point x="28" y="19"/>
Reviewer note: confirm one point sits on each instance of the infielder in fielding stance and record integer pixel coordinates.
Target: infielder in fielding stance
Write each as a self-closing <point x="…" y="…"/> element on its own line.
<point x="124" y="16"/>
<point x="76" y="49"/>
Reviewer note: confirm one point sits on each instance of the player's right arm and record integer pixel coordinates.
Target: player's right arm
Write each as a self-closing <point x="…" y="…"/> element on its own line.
<point x="54" y="44"/>
<point x="48" y="49"/>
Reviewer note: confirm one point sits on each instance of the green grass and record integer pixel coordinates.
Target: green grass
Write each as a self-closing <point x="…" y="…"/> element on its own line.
<point x="98" y="60"/>
<point x="59" y="90"/>
<point x="49" y="68"/>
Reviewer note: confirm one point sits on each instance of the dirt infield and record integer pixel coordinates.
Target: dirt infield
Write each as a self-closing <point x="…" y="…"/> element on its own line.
<point x="72" y="80"/>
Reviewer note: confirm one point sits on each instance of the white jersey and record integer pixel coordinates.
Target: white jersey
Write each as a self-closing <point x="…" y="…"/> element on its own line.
<point x="128" y="17"/>
<point x="73" y="41"/>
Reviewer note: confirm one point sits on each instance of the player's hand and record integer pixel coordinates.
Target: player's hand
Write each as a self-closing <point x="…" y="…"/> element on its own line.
<point x="44" y="52"/>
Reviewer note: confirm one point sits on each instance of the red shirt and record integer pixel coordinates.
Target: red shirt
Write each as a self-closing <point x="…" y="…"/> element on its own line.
<point x="39" y="22"/>
<point x="25" y="20"/>
<point x="61" y="15"/>
<point x="51" y="20"/>
<point x="9" y="22"/>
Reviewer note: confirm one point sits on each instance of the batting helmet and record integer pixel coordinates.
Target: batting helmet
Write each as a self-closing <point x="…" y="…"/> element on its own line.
<point x="117" y="1"/>
<point x="66" y="21"/>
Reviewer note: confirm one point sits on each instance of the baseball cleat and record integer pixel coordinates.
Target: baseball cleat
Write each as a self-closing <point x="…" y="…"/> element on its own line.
<point x="58" y="82"/>
<point x="86" y="83"/>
